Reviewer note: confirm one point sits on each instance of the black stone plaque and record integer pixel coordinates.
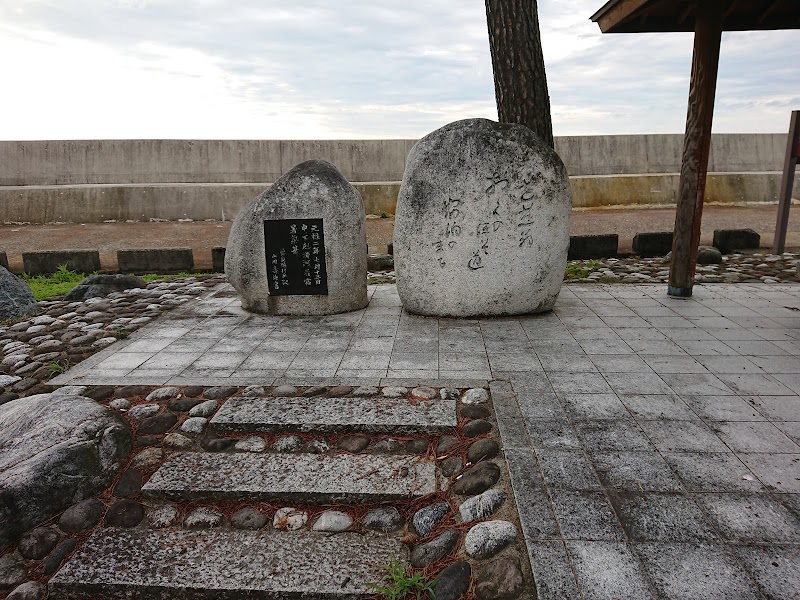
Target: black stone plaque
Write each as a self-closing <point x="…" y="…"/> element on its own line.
<point x="295" y="250"/>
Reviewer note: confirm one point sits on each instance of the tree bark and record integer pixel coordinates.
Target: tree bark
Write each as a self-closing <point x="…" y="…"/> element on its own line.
<point x="520" y="82"/>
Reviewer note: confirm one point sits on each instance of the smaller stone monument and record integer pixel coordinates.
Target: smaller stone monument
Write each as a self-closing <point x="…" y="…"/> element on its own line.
<point x="482" y="222"/>
<point x="300" y="248"/>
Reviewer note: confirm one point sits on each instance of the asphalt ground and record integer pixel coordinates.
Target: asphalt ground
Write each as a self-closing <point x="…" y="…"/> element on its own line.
<point x="202" y="236"/>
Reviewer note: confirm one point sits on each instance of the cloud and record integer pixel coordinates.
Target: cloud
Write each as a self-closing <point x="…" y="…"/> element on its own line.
<point x="321" y="69"/>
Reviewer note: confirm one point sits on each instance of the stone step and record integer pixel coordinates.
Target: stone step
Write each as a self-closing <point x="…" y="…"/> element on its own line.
<point x="371" y="415"/>
<point x="141" y="563"/>
<point x="315" y="478"/>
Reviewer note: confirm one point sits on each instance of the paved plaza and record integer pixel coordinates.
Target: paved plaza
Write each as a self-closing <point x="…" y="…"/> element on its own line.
<point x="653" y="443"/>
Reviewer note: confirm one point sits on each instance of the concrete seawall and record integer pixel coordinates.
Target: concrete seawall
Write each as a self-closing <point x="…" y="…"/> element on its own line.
<point x="139" y="180"/>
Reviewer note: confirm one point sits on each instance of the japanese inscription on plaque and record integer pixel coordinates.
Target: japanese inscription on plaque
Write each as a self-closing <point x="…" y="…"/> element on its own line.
<point x="295" y="251"/>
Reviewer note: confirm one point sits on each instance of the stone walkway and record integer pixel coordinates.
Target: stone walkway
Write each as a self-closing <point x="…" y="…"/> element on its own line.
<point x="653" y="442"/>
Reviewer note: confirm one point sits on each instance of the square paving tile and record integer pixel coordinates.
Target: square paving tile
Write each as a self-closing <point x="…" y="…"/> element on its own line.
<point x="542" y="405"/>
<point x="754" y="437"/>
<point x="416" y="345"/>
<point x="594" y="406"/>
<point x="515" y="361"/>
<point x="125" y="361"/>
<point x="751" y="518"/>
<point x="405" y="361"/>
<point x="316" y="361"/>
<point x="567" y="469"/>
<point x="585" y="515"/>
<point x="570" y="363"/>
<point x="756" y="348"/>
<point x="629" y="363"/>
<point x="723" y="408"/>
<point x="608" y="570"/>
<point x="175" y="361"/>
<point x="681" y="334"/>
<point x="777" y="408"/>
<point x="147" y="346"/>
<point x="364" y="360"/>
<point x="642" y="383"/>
<point x="757" y="384"/>
<point x="674" y="364"/>
<point x="729" y="364"/>
<point x="791" y="429"/>
<point x="268" y="360"/>
<point x="660" y="517"/>
<point x="528" y="382"/>
<point x="696" y="572"/>
<point x="552" y="572"/>
<point x="776" y="570"/>
<point x="219" y="360"/>
<point x="578" y="383"/>
<point x="685" y="436"/>
<point x="615" y="347"/>
<point x="779" y="472"/>
<point x="463" y="361"/>
<point x="707" y="348"/>
<point x="635" y="471"/>
<point x="701" y="384"/>
<point x="552" y="433"/>
<point x="713" y="472"/>
<point x="622" y="434"/>
<point x="282" y="344"/>
<point x="639" y="333"/>
<point x="189" y="346"/>
<point x="376" y="345"/>
<point x="777" y="364"/>
<point x="321" y="344"/>
<point x="536" y="515"/>
<point x="658" y="407"/>
<point x="658" y="347"/>
<point x="624" y="322"/>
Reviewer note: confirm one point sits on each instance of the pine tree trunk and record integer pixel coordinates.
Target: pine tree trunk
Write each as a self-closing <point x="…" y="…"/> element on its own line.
<point x="520" y="81"/>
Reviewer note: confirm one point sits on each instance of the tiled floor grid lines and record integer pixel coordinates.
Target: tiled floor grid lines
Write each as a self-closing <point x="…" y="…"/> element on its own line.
<point x="654" y="442"/>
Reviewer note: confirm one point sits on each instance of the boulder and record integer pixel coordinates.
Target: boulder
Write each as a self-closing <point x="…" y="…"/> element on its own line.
<point x="708" y="255"/>
<point x="730" y="240"/>
<point x="54" y="451"/>
<point x="482" y="222"/>
<point x="98" y="286"/>
<point x="276" y="243"/>
<point x="16" y="298"/>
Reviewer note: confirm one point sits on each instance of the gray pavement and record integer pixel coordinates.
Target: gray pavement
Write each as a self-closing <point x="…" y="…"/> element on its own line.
<point x="653" y="443"/>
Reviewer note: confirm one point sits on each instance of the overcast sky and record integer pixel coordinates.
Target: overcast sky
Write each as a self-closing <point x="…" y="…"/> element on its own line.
<point x="305" y="69"/>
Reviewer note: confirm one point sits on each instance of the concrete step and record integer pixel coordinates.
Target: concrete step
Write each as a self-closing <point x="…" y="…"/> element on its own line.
<point x="223" y="565"/>
<point x="316" y="478"/>
<point x="372" y="415"/>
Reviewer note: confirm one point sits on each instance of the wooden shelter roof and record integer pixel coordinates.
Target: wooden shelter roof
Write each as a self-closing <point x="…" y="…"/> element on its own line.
<point x="639" y="16"/>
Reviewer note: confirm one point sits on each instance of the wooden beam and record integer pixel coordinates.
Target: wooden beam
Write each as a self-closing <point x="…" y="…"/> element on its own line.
<point x="768" y="10"/>
<point x="686" y="14"/>
<point x="785" y="199"/>
<point x="731" y="8"/>
<point x="696" y="146"/>
<point x="613" y="13"/>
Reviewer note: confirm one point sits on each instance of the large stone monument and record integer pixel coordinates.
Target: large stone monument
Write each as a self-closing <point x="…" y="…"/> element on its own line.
<point x="300" y="248"/>
<point x="482" y="222"/>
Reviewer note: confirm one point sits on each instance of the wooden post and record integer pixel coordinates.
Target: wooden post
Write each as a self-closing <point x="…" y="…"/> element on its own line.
<point x="696" y="145"/>
<point x="785" y="199"/>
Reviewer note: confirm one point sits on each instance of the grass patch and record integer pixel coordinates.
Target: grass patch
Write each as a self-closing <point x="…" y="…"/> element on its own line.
<point x="398" y="583"/>
<point x="58" y="367"/>
<point x="580" y="269"/>
<point x="46" y="287"/>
